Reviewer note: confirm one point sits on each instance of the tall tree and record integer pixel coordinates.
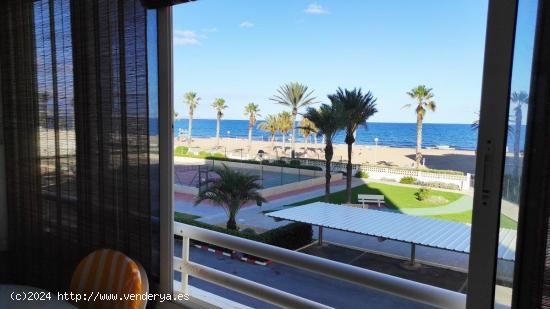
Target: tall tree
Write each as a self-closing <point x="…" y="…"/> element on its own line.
<point x="307" y="128"/>
<point x="423" y="97"/>
<point x="285" y="124"/>
<point x="328" y="121"/>
<point x="295" y="96"/>
<point x="219" y="106"/>
<point x="192" y="100"/>
<point x="253" y="112"/>
<point x="519" y="99"/>
<point x="231" y="191"/>
<point x="271" y="126"/>
<point x="357" y="107"/>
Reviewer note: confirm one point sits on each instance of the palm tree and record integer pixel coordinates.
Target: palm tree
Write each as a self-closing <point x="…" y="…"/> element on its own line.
<point x="285" y="124"/>
<point x="219" y="105"/>
<point x="271" y="126"/>
<point x="306" y="129"/>
<point x="231" y="190"/>
<point x="423" y="97"/>
<point x="252" y="111"/>
<point x="519" y="99"/>
<point x="295" y="96"/>
<point x="357" y="108"/>
<point x="328" y="120"/>
<point x="191" y="98"/>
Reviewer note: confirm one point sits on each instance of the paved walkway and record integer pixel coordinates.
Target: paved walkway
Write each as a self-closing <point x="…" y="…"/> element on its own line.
<point x="463" y="204"/>
<point x="252" y="215"/>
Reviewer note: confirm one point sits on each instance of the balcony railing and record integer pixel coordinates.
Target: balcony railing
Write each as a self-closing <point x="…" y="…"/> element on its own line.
<point x="408" y="289"/>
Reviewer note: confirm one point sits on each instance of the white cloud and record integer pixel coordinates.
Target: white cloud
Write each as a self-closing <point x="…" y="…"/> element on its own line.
<point x="246" y="24"/>
<point x="210" y="30"/>
<point x="316" y="9"/>
<point x="186" y="37"/>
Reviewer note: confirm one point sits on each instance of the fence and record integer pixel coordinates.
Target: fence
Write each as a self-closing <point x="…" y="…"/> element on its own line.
<point x="393" y="173"/>
<point x="377" y="172"/>
<point x="275" y="179"/>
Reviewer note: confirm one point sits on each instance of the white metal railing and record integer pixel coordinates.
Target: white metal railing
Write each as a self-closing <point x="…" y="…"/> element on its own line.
<point x="400" y="287"/>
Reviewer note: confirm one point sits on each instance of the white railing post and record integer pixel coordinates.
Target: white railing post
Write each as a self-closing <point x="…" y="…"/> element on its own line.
<point x="185" y="258"/>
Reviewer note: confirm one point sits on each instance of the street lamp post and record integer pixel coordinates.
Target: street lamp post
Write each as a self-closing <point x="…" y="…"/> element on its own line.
<point x="261" y="154"/>
<point x="375" y="149"/>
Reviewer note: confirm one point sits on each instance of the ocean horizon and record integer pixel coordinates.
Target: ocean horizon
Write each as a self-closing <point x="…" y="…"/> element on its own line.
<point x="458" y="136"/>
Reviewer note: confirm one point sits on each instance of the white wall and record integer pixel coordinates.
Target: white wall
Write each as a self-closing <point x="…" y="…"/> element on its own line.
<point x="3" y="204"/>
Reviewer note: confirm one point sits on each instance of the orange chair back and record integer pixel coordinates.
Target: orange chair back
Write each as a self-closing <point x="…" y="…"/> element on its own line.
<point x="109" y="272"/>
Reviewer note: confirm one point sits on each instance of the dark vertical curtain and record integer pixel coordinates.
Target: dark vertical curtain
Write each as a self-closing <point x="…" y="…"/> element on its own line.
<point x="77" y="81"/>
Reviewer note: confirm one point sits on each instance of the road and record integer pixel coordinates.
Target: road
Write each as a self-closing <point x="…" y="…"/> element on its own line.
<point x="331" y="292"/>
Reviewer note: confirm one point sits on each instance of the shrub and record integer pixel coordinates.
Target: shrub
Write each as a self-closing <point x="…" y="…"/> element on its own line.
<point x="249" y="231"/>
<point x="294" y="163"/>
<point x="438" y="185"/>
<point x="423" y="194"/>
<point x="181" y="151"/>
<point x="361" y="174"/>
<point x="292" y="236"/>
<point x="408" y="180"/>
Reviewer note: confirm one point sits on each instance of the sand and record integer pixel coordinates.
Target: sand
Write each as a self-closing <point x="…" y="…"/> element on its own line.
<point x="448" y="159"/>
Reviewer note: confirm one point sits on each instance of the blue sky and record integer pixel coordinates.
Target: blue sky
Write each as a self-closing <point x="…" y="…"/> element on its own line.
<point x="243" y="50"/>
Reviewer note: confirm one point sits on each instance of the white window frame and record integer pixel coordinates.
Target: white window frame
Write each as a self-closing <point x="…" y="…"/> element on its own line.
<point x="490" y="153"/>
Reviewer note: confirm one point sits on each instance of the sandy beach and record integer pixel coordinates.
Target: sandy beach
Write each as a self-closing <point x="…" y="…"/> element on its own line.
<point x="448" y="159"/>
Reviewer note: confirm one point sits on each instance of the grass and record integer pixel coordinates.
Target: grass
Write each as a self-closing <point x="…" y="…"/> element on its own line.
<point x="179" y="216"/>
<point x="397" y="197"/>
<point x="400" y="197"/>
<point x="466" y="217"/>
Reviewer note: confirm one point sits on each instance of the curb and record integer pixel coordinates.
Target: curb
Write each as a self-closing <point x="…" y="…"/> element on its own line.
<point x="228" y="254"/>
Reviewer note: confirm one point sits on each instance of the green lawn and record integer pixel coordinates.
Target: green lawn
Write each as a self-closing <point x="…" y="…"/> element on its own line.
<point x="400" y="197"/>
<point x="184" y="216"/>
<point x="397" y="197"/>
<point x="466" y="217"/>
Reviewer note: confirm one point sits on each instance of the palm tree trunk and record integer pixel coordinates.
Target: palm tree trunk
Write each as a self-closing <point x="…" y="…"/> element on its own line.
<point x="284" y="143"/>
<point x="293" y="138"/>
<point x="328" y="159"/>
<point x="190" y="128"/>
<point x="218" y="131"/>
<point x="272" y="141"/>
<point x="348" y="174"/>
<point x="249" y="137"/>
<point x="315" y="139"/>
<point x="305" y="142"/>
<point x="418" y="157"/>
<point x="231" y="223"/>
<point x="517" y="135"/>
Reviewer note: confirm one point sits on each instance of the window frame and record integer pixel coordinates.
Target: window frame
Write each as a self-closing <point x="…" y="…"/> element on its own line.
<point x="491" y="152"/>
<point x="500" y="34"/>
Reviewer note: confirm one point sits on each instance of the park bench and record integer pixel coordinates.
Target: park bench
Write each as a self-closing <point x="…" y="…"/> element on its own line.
<point x="370" y="199"/>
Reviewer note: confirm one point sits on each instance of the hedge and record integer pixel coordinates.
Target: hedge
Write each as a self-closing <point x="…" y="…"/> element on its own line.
<point x="292" y="236"/>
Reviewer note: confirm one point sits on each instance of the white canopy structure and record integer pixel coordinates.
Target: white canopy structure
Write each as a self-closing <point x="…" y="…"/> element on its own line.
<point x="435" y="233"/>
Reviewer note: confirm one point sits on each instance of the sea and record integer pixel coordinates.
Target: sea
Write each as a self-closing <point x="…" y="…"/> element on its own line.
<point x="458" y="136"/>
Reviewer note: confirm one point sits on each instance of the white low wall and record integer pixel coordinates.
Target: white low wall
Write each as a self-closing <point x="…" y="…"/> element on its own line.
<point x="375" y="172"/>
<point x="186" y="190"/>
<point x="335" y="166"/>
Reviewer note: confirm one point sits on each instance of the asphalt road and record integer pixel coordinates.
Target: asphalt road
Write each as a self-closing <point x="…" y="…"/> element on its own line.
<point x="328" y="291"/>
